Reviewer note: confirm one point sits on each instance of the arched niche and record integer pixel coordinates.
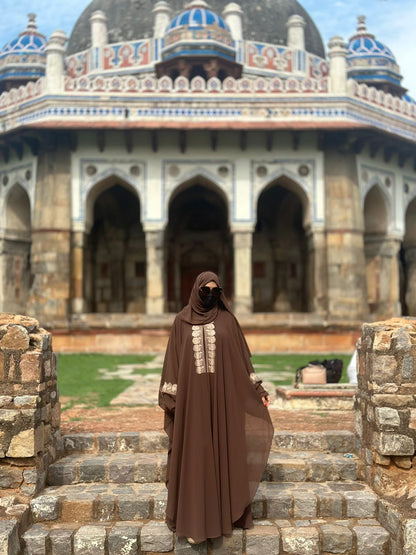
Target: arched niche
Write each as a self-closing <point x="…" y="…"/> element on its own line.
<point x="280" y="258"/>
<point x="197" y="238"/>
<point x="16" y="255"/>
<point x="115" y="250"/>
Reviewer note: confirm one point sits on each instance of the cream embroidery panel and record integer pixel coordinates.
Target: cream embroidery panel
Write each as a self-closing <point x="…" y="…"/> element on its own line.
<point x="204" y="345"/>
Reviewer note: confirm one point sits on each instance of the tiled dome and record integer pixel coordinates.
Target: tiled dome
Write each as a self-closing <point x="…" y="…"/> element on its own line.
<point x="198" y="32"/>
<point x="197" y="16"/>
<point x="369" y="60"/>
<point x="24" y="57"/>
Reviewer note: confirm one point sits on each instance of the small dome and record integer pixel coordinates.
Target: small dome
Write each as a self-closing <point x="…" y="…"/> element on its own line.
<point x="197" y="16"/>
<point x="370" y="61"/>
<point x="24" y="58"/>
<point x="198" y="31"/>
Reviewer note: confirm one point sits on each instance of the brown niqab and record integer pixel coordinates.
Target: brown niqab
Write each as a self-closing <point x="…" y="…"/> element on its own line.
<point x="219" y="430"/>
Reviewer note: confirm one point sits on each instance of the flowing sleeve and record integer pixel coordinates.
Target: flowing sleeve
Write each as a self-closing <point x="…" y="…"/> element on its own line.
<point x="255" y="380"/>
<point x="169" y="380"/>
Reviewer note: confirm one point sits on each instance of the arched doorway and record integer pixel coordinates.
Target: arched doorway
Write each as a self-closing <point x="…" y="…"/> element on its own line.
<point x="197" y="239"/>
<point x="381" y="257"/>
<point x="280" y="251"/>
<point x="408" y="258"/>
<point x="115" y="251"/>
<point x="16" y="251"/>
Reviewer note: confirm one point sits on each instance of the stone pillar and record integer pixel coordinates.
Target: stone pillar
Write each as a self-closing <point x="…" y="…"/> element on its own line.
<point x="410" y="268"/>
<point x="243" y="297"/>
<point x="51" y="235"/>
<point x="233" y="16"/>
<point x="161" y="14"/>
<point x="346" y="283"/>
<point x="99" y="36"/>
<point x="338" y="65"/>
<point x="296" y="32"/>
<point x="30" y="409"/>
<point x="155" y="264"/>
<point x="316" y="279"/>
<point x="77" y="273"/>
<point x="55" y="51"/>
<point x="383" y="280"/>
<point x="385" y="422"/>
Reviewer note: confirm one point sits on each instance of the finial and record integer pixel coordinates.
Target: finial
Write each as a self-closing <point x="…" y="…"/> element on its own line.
<point x="196" y="4"/>
<point x="31" y="26"/>
<point x="361" y="27"/>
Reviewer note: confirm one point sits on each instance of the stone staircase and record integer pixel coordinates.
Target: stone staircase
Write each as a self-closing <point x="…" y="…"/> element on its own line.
<point x="106" y="495"/>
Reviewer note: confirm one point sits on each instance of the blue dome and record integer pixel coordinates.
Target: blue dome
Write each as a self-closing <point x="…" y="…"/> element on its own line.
<point x="24" y="58"/>
<point x="197" y="17"/>
<point x="371" y="61"/>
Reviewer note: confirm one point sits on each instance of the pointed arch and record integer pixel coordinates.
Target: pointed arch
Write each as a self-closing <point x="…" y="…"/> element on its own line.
<point x="280" y="247"/>
<point x="17" y="211"/>
<point x="115" y="251"/>
<point x="197" y="237"/>
<point x="408" y="261"/>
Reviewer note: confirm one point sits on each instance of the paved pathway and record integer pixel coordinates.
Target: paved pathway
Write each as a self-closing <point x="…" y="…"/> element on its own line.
<point x="144" y="390"/>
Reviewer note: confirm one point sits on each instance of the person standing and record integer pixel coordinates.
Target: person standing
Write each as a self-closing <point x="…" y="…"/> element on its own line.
<point x="216" y="418"/>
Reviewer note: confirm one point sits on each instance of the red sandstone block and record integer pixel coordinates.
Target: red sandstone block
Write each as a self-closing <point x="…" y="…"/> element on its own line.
<point x="31" y="367"/>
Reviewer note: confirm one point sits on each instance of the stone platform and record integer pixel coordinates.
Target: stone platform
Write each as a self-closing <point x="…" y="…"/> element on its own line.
<point x="315" y="397"/>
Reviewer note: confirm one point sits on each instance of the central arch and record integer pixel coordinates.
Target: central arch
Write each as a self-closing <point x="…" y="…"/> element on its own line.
<point x="280" y="249"/>
<point x="197" y="239"/>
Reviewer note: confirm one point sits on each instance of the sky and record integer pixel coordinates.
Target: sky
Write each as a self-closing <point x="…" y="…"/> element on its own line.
<point x="391" y="21"/>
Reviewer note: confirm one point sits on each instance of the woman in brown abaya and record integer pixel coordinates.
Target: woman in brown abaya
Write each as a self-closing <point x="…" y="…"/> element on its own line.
<point x="216" y="418"/>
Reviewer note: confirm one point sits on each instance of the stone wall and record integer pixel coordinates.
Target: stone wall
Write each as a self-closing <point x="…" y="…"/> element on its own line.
<point x="29" y="408"/>
<point x="385" y="411"/>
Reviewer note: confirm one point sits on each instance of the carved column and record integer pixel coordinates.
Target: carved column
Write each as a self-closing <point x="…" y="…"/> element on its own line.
<point x="155" y="297"/>
<point x="243" y="298"/>
<point x="410" y="293"/>
<point x="77" y="273"/>
<point x="316" y="278"/>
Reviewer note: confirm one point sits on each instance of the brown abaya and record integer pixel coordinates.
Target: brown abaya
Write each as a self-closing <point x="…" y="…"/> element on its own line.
<point x="219" y="431"/>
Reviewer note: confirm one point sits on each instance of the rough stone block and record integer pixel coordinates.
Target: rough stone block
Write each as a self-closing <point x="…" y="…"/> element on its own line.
<point x="263" y="539"/>
<point x="92" y="470"/>
<point x="63" y="472"/>
<point x="151" y="442"/>
<point x="284" y="440"/>
<point x="336" y="539"/>
<point x="107" y="442"/>
<point x="105" y="508"/>
<point x="278" y="505"/>
<point x="372" y="540"/>
<point x="330" y="505"/>
<point x="62" y="541"/>
<point x="409" y="539"/>
<point x="129" y="442"/>
<point x="132" y="507"/>
<point x="45" y="507"/>
<point x="16" y="338"/>
<point x="394" y="444"/>
<point x="384" y="369"/>
<point x="35" y="540"/>
<point x="90" y="540"/>
<point x="124" y="540"/>
<point x="228" y="545"/>
<point x="160" y="502"/>
<point x="79" y="442"/>
<point x="387" y="417"/>
<point x="339" y="441"/>
<point x="303" y="540"/>
<point x="22" y="445"/>
<point x="304" y="505"/>
<point x="156" y="537"/>
<point x="360" y="504"/>
<point x="77" y="508"/>
<point x="121" y="470"/>
<point x="10" y="477"/>
<point x="9" y="537"/>
<point x="407" y="368"/>
<point x="31" y="367"/>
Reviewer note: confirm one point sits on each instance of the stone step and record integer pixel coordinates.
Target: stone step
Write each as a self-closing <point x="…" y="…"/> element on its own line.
<point x="113" y="502"/>
<point x="122" y="468"/>
<point x="335" y="441"/>
<point x="279" y="537"/>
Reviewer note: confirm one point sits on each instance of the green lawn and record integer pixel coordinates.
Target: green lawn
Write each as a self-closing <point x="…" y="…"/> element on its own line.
<point x="87" y="378"/>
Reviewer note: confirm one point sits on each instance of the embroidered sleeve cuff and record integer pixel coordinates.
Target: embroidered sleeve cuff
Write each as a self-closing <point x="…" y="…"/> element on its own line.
<point x="170" y="388"/>
<point x="254" y="378"/>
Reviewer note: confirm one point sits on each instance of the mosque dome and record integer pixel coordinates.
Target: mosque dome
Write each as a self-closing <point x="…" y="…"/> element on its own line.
<point x="263" y="21"/>
<point x="372" y="62"/>
<point x="24" y="58"/>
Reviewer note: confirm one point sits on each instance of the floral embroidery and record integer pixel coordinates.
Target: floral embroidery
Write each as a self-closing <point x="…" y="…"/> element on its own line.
<point x="170" y="388"/>
<point x="204" y="346"/>
<point x="254" y="378"/>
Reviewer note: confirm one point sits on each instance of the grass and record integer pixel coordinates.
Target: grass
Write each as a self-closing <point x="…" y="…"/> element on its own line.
<point x="79" y="378"/>
<point x="80" y="381"/>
